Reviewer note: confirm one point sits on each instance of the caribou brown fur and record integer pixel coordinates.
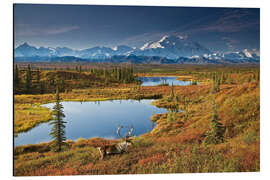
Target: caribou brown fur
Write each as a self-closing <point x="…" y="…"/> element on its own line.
<point x="118" y="148"/>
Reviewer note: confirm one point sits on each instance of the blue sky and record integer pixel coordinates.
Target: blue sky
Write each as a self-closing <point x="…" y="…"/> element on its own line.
<point x="85" y="26"/>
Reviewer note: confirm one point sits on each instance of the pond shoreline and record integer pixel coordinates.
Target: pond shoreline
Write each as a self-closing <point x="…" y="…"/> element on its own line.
<point x="142" y="111"/>
<point x="71" y="97"/>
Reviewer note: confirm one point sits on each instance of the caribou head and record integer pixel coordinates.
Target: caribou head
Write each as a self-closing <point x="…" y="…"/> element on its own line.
<point x="120" y="147"/>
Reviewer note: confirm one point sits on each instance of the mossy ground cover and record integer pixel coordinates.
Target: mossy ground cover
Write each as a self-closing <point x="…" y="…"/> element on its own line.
<point x="27" y="116"/>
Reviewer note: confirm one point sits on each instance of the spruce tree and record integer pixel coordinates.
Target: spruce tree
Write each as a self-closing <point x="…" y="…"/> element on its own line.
<point x="172" y="92"/>
<point x="38" y="76"/>
<point x="186" y="107"/>
<point x="173" y="106"/>
<point x="215" y="85"/>
<point x="222" y="79"/>
<point x="215" y="134"/>
<point x="171" y="115"/>
<point x="58" y="129"/>
<point x="28" y="78"/>
<point x="41" y="87"/>
<point x="38" y="81"/>
<point x="118" y="77"/>
<point x="16" y="76"/>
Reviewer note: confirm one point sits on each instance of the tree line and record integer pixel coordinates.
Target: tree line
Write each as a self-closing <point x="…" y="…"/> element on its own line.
<point x="36" y="81"/>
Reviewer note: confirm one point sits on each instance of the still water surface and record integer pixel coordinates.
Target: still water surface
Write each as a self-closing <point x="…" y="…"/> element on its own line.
<point x="96" y="119"/>
<point x="154" y="81"/>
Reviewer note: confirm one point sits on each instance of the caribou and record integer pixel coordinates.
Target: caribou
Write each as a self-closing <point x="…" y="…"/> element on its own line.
<point x="118" y="148"/>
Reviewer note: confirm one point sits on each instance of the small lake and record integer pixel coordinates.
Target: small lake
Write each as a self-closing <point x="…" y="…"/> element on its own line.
<point x="154" y="81"/>
<point x="96" y="119"/>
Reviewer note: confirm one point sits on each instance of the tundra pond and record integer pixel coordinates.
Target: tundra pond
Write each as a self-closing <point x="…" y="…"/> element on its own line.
<point x="155" y="81"/>
<point x="96" y="119"/>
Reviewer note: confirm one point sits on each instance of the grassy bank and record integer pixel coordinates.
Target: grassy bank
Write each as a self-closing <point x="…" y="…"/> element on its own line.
<point x="27" y="116"/>
<point x="29" y="112"/>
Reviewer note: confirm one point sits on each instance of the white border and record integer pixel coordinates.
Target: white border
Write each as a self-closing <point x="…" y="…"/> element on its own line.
<point x="6" y="20"/>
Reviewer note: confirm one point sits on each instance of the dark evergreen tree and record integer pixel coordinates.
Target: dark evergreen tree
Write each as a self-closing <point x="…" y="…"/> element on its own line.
<point x="186" y="107"/>
<point x="58" y="129"/>
<point x="38" y="76"/>
<point x="215" y="134"/>
<point x="28" y="79"/>
<point x="42" y="87"/>
<point x="222" y="79"/>
<point x="16" y="76"/>
<point x="218" y="85"/>
<point x="118" y="74"/>
<point x="172" y="92"/>
<point x="173" y="105"/>
<point x="51" y="80"/>
<point x="215" y="84"/>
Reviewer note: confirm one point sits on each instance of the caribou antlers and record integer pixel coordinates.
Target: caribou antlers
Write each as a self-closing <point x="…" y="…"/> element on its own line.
<point x="119" y="147"/>
<point x="131" y="131"/>
<point x="118" y="131"/>
<point x="128" y="135"/>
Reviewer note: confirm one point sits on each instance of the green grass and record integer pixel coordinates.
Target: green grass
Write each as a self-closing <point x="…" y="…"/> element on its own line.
<point x="27" y="116"/>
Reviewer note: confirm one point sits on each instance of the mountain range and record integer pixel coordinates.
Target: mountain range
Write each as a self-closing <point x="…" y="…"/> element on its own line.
<point x="169" y="49"/>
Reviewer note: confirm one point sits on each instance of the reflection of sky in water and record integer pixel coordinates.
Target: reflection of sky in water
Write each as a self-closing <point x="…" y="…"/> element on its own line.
<point x="153" y="81"/>
<point x="97" y="119"/>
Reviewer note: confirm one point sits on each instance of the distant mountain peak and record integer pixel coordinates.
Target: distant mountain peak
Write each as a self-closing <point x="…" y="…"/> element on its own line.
<point x="163" y="38"/>
<point x="174" y="48"/>
<point x="144" y="46"/>
<point x="247" y="53"/>
<point x="115" y="48"/>
<point x="24" y="45"/>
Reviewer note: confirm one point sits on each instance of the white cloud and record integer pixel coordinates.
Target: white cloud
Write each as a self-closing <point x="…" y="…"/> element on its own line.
<point x="62" y="30"/>
<point x="27" y="30"/>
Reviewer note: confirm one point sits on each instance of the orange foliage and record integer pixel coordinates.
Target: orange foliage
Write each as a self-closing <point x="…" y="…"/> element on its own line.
<point x="155" y="159"/>
<point x="190" y="136"/>
<point x="87" y="168"/>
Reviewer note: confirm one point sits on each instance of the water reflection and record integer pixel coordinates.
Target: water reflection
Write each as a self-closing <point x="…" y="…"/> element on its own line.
<point x="96" y="119"/>
<point x="154" y="81"/>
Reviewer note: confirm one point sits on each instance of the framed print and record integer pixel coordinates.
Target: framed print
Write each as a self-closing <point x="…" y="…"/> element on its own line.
<point x="107" y="89"/>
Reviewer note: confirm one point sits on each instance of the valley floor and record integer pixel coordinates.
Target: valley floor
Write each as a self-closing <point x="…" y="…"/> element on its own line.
<point x="174" y="146"/>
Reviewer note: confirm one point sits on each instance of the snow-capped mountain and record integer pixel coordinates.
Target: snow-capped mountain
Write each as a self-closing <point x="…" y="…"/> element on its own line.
<point x="96" y="52"/>
<point x="169" y="49"/>
<point x="25" y="50"/>
<point x="238" y="55"/>
<point x="63" y="51"/>
<point x="122" y="50"/>
<point x="172" y="47"/>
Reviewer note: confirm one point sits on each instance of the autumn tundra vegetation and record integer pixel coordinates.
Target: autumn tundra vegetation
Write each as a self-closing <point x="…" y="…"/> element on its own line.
<point x="212" y="125"/>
